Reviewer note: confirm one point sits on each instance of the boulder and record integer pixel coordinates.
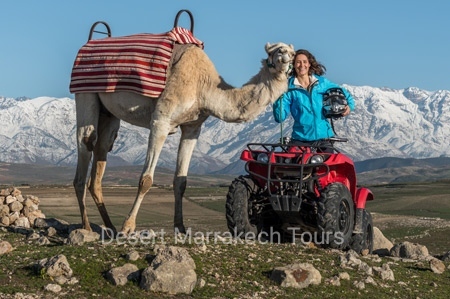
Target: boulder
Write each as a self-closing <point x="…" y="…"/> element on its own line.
<point x="121" y="275"/>
<point x="409" y="250"/>
<point x="299" y="275"/>
<point x="381" y="244"/>
<point x="171" y="271"/>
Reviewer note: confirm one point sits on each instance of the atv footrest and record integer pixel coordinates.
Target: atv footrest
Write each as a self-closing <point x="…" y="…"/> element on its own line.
<point x="285" y="203"/>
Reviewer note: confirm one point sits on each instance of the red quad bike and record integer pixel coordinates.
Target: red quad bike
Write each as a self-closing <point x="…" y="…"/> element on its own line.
<point x="300" y="190"/>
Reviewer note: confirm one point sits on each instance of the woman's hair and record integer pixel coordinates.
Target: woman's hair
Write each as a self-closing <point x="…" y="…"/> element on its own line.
<point x="316" y="67"/>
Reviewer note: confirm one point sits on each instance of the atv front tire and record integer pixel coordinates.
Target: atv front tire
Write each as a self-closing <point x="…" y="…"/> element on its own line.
<point x="364" y="241"/>
<point x="335" y="216"/>
<point x="238" y="208"/>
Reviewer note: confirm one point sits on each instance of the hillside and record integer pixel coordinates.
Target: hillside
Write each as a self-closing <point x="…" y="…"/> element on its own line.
<point x="406" y="123"/>
<point x="370" y="172"/>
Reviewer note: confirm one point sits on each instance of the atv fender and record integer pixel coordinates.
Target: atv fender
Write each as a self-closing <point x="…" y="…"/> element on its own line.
<point x="362" y="196"/>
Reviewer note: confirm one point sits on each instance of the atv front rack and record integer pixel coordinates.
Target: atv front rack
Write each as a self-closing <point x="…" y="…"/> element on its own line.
<point x="285" y="165"/>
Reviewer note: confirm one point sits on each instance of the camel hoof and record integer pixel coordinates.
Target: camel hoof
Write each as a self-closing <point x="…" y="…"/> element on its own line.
<point x="128" y="226"/>
<point x="126" y="231"/>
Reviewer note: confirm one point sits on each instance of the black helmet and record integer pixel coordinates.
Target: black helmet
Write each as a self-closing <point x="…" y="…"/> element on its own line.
<point x="334" y="103"/>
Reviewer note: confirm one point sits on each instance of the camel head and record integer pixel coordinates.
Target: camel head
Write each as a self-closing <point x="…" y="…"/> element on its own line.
<point x="280" y="58"/>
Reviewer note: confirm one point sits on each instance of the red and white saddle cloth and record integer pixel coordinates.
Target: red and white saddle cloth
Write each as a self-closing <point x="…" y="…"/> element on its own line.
<point x="136" y="63"/>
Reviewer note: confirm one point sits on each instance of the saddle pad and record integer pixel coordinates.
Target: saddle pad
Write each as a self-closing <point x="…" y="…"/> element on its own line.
<point x="136" y="63"/>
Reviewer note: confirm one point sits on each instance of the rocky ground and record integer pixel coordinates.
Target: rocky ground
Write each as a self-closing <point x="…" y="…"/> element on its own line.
<point x="55" y="258"/>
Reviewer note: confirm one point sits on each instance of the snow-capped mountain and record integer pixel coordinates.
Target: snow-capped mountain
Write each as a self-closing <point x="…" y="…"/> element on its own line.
<point x="406" y="123"/>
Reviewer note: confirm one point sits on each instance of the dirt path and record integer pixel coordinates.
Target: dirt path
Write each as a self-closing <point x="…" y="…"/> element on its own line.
<point x="156" y="211"/>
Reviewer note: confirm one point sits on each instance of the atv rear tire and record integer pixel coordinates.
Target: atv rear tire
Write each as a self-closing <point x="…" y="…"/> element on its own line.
<point x="238" y="208"/>
<point x="364" y="241"/>
<point x="336" y="216"/>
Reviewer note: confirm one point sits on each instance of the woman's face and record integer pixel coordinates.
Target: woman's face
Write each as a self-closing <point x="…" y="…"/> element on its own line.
<point x="301" y="65"/>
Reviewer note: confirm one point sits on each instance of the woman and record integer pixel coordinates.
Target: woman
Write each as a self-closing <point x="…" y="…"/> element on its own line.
<point x="304" y="100"/>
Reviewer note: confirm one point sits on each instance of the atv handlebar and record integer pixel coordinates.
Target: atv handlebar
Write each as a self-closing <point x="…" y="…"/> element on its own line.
<point x="336" y="139"/>
<point x="287" y="140"/>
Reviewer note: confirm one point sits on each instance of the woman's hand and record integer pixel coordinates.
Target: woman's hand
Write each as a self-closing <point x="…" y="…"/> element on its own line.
<point x="347" y="111"/>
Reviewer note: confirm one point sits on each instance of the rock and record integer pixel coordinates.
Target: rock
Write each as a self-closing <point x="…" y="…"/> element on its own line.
<point x="81" y="236"/>
<point x="334" y="281"/>
<point x="132" y="256"/>
<point x="22" y="222"/>
<point x="59" y="225"/>
<point x="201" y="283"/>
<point x="4" y="192"/>
<point x="349" y="259"/>
<point x="121" y="275"/>
<point x="33" y="198"/>
<point x="19" y="198"/>
<point x="437" y="266"/>
<point x="15" y="206"/>
<point x="33" y="236"/>
<point x="381" y="244"/>
<point x="15" y="192"/>
<point x="299" y="275"/>
<point x="4" y="220"/>
<point x="4" y="210"/>
<point x="10" y="199"/>
<point x="51" y="231"/>
<point x="170" y="253"/>
<point x="33" y="215"/>
<point x="43" y="241"/>
<point x="384" y="272"/>
<point x="28" y="202"/>
<point x="54" y="288"/>
<point x="171" y="271"/>
<point x="409" y="250"/>
<point x="344" y="276"/>
<point x="364" y="267"/>
<point x="370" y="280"/>
<point x="56" y="267"/>
<point x="13" y="217"/>
<point x="5" y="247"/>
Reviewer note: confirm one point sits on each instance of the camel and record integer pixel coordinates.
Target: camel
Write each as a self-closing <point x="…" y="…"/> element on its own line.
<point x="194" y="91"/>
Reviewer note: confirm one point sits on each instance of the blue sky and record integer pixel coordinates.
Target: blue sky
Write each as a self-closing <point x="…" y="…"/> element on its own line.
<point x="383" y="43"/>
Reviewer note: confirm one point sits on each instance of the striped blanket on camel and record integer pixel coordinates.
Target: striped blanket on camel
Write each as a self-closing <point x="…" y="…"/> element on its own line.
<point x="136" y="63"/>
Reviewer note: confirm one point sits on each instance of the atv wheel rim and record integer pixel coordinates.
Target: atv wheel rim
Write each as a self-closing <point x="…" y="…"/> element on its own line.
<point x="343" y="216"/>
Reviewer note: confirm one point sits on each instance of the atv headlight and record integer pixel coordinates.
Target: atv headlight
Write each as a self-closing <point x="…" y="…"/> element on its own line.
<point x="262" y="157"/>
<point x="316" y="159"/>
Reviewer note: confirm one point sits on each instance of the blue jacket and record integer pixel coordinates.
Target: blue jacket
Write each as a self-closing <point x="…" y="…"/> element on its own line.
<point x="306" y="108"/>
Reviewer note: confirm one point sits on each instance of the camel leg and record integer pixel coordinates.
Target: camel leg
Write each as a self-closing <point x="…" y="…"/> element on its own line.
<point x="87" y="111"/>
<point x="189" y="136"/>
<point x="159" y="130"/>
<point x="107" y="132"/>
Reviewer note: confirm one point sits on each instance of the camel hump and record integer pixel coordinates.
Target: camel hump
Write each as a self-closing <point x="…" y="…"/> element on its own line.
<point x="92" y="31"/>
<point x="175" y="23"/>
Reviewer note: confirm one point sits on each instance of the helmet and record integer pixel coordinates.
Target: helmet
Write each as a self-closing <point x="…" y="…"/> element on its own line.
<point x="334" y="103"/>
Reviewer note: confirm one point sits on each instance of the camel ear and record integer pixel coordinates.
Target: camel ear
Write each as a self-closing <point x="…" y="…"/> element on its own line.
<point x="267" y="47"/>
<point x="292" y="46"/>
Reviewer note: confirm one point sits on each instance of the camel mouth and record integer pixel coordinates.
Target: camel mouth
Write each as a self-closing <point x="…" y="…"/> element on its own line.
<point x="281" y="58"/>
<point x="285" y="59"/>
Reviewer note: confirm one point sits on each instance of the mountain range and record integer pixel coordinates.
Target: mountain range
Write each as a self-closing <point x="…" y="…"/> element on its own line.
<point x="408" y="123"/>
